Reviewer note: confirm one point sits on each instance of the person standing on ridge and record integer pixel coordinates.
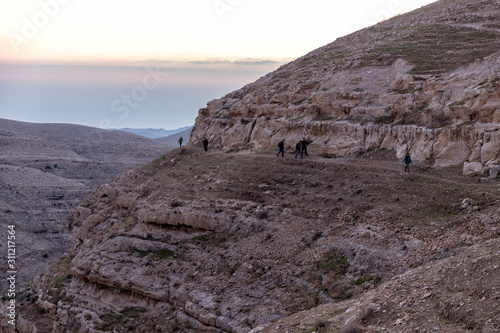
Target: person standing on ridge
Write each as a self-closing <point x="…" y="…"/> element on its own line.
<point x="281" y="146"/>
<point x="205" y="144"/>
<point x="304" y="144"/>
<point x="407" y="160"/>
<point x="180" y="141"/>
<point x="298" y="151"/>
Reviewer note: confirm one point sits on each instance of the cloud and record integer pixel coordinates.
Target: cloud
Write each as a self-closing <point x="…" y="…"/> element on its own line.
<point x="258" y="62"/>
<point x="210" y="62"/>
<point x="242" y="62"/>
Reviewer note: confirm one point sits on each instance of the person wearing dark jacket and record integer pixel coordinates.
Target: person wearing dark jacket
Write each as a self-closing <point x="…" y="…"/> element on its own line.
<point x="407" y="160"/>
<point x="281" y="146"/>
<point x="304" y="144"/>
<point x="298" y="148"/>
<point x="205" y="144"/>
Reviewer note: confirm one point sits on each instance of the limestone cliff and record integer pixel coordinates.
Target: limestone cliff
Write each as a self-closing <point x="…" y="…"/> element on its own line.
<point x="427" y="82"/>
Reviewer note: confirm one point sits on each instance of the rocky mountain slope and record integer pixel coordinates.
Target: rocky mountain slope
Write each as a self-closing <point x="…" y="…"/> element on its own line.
<point x="197" y="242"/>
<point x="457" y="294"/>
<point x="342" y="241"/>
<point x="46" y="170"/>
<point x="425" y="82"/>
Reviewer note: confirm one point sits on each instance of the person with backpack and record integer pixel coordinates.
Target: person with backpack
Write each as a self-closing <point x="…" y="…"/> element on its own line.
<point x="281" y="146"/>
<point x="205" y="144"/>
<point x="407" y="160"/>
<point x="298" y="148"/>
<point x="180" y="141"/>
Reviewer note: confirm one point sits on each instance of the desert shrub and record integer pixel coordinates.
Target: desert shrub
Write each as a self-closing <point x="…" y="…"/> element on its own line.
<point x="176" y="203"/>
<point x="163" y="254"/>
<point x="363" y="279"/>
<point x="334" y="261"/>
<point x="385" y="119"/>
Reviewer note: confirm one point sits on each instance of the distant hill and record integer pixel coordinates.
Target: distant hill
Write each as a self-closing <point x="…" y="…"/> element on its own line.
<point x="153" y="133"/>
<point x="46" y="170"/>
<point x="174" y="138"/>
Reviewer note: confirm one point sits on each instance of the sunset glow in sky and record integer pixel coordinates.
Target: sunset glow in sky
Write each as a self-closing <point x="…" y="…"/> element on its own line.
<point x="77" y="30"/>
<point x="93" y="62"/>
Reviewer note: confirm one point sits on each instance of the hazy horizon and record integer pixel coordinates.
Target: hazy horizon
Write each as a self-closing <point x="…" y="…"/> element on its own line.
<point x="79" y="62"/>
<point x="118" y="97"/>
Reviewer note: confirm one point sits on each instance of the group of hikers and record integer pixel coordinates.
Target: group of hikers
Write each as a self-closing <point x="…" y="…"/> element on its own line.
<point x="300" y="148"/>
<point x="205" y="143"/>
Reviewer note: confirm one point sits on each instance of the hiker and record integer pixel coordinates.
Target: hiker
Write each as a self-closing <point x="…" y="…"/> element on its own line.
<point x="180" y="142"/>
<point x="298" y="148"/>
<point x="281" y="146"/>
<point x="205" y="144"/>
<point x="304" y="144"/>
<point x="407" y="160"/>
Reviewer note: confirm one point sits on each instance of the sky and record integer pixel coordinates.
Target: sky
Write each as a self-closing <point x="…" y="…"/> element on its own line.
<point x="155" y="63"/>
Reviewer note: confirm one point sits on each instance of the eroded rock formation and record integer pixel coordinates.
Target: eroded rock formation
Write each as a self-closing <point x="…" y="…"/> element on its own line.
<point x="201" y="242"/>
<point x="46" y="170"/>
<point x="383" y="87"/>
<point x="216" y="242"/>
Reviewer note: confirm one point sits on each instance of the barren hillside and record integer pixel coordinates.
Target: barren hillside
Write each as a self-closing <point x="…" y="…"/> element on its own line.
<point x="46" y="170"/>
<point x="425" y="82"/>
<point x="226" y="242"/>
<point x="240" y="240"/>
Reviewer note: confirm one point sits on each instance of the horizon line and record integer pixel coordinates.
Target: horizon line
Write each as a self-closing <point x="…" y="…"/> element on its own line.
<point x="79" y="124"/>
<point x="194" y="62"/>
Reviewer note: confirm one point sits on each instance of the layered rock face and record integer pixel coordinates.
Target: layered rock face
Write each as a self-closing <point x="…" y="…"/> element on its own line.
<point x="197" y="242"/>
<point x="46" y="170"/>
<point x="212" y="242"/>
<point x="427" y="83"/>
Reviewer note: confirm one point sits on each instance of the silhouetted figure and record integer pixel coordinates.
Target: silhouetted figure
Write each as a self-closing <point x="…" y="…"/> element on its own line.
<point x="205" y="144"/>
<point x="407" y="160"/>
<point x="180" y="141"/>
<point x="281" y="146"/>
<point x="304" y="144"/>
<point x="298" y="148"/>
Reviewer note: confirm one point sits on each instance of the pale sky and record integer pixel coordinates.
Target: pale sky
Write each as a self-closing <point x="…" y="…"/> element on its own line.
<point x="180" y="29"/>
<point x="155" y="63"/>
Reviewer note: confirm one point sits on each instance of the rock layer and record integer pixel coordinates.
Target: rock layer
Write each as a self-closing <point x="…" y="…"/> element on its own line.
<point x="204" y="243"/>
<point x="46" y="170"/>
<point x="376" y="89"/>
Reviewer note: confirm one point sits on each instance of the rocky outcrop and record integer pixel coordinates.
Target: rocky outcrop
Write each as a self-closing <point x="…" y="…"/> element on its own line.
<point x="211" y="242"/>
<point x="201" y="242"/>
<point x="417" y="300"/>
<point x="343" y="100"/>
<point x="461" y="114"/>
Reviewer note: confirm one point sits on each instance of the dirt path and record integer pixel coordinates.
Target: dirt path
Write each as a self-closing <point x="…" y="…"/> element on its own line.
<point x="397" y="166"/>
